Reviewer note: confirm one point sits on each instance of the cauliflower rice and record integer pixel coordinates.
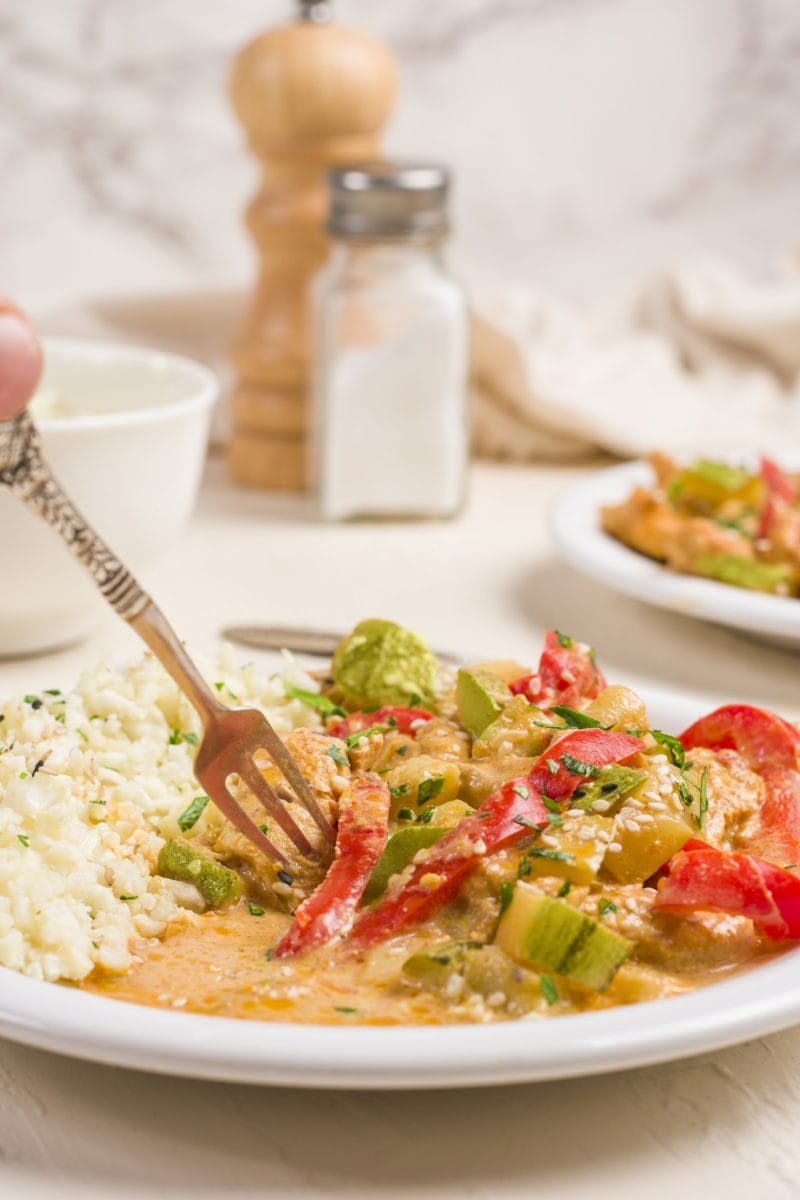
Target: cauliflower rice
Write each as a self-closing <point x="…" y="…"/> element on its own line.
<point x="91" y="783"/>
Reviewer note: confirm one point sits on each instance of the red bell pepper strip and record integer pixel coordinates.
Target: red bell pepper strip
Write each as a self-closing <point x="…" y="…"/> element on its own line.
<point x="701" y="878"/>
<point x="777" y="837"/>
<point x="404" y="720"/>
<point x="763" y="739"/>
<point x="567" y="673"/>
<point x="781" y="491"/>
<point x="509" y="814"/>
<point x="360" y="838"/>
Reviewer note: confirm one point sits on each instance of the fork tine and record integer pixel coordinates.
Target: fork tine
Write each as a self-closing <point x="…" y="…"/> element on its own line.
<point x="249" y="772"/>
<point x="289" y="769"/>
<point x="231" y="809"/>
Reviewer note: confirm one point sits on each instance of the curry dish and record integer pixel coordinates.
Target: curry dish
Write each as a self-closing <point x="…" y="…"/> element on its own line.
<point x="718" y="521"/>
<point x="511" y="842"/>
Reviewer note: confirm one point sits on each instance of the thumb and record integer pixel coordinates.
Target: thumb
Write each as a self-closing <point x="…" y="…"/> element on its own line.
<point x="20" y="360"/>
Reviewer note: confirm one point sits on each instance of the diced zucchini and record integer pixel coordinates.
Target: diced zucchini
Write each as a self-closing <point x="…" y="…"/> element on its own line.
<point x="216" y="884"/>
<point x="450" y="813"/>
<point x="578" y="856"/>
<point x="416" y="782"/>
<point x="453" y="967"/>
<point x="515" y="731"/>
<point x="607" y="787"/>
<point x="480" y="697"/>
<point x="743" y="572"/>
<point x="644" y="846"/>
<point x="619" y="707"/>
<point x="398" y="853"/>
<point x="555" y="937"/>
<point x="706" y="485"/>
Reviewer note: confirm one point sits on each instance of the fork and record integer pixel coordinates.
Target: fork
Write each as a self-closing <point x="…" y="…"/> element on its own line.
<point x="231" y="737"/>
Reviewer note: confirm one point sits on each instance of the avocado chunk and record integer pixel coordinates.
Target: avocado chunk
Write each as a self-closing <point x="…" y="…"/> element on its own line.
<point x="383" y="663"/>
<point x="398" y="853"/>
<point x="480" y="697"/>
<point x="452" y="968"/>
<point x="609" y="784"/>
<point x="520" y="726"/>
<point x="216" y="884"/>
<point x="743" y="572"/>
<point x="554" y="936"/>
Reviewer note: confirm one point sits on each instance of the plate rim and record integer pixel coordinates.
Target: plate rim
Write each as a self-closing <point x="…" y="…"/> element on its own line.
<point x="576" y="534"/>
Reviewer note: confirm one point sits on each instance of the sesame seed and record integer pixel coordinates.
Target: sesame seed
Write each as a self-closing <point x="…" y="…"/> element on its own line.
<point x="658" y="806"/>
<point x="601" y="806"/>
<point x="615" y="847"/>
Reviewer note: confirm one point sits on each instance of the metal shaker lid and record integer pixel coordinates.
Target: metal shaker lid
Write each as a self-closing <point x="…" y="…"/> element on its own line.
<point x="388" y="200"/>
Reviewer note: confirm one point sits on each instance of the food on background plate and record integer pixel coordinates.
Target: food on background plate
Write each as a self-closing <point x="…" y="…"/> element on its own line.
<point x="718" y="521"/>
<point x="511" y="842"/>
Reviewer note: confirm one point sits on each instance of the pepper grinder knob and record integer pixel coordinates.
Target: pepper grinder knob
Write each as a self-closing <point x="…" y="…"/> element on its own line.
<point x="311" y="95"/>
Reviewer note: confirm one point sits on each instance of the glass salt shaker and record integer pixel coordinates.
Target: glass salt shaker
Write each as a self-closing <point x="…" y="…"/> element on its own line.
<point x="389" y="432"/>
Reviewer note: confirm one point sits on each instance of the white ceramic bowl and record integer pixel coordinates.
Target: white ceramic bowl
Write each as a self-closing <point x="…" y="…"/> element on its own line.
<point x="125" y="430"/>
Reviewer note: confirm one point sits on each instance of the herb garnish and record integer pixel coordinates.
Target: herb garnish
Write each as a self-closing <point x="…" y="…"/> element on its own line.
<point x="551" y="855"/>
<point x="522" y="790"/>
<point x="400" y="790"/>
<point x="703" y="808"/>
<point x="549" y="989"/>
<point x="564" y="640"/>
<point x="263" y="827"/>
<point x="524" y="869"/>
<point x="192" y="814"/>
<point x="506" y="892"/>
<point x="684" y="793"/>
<point x="551" y="765"/>
<point x="671" y="744"/>
<point x="354" y="738"/>
<point x="34" y="701"/>
<point x="129" y="897"/>
<point x="405" y="814"/>
<point x="255" y="910"/>
<point x="426" y="816"/>
<point x="577" y="766"/>
<point x="429" y="788"/>
<point x="565" y="888"/>
<point x="23" y="837"/>
<point x="335" y="753"/>
<point x="177" y="736"/>
<point x="550" y="805"/>
<point x="527" y="822"/>
<point x="345" y="1008"/>
<point x="576" y="719"/>
<point x="314" y="700"/>
<point x="606" y="906"/>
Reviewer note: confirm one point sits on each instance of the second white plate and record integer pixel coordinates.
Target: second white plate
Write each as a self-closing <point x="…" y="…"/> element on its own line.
<point x="575" y="526"/>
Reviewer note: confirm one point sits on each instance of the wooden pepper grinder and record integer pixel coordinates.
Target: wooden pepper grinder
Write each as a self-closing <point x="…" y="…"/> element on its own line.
<point x="310" y="95"/>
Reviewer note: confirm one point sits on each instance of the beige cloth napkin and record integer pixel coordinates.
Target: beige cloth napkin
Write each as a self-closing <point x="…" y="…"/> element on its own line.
<point x="706" y="359"/>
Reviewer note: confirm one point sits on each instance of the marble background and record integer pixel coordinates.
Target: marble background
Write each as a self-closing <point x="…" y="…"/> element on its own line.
<point x="592" y="140"/>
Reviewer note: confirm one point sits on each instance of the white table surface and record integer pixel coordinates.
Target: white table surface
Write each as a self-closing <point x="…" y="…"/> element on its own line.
<point x="723" y="1125"/>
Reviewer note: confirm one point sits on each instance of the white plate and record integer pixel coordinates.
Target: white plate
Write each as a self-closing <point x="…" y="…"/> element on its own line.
<point x="71" y="1022"/>
<point x="575" y="526"/>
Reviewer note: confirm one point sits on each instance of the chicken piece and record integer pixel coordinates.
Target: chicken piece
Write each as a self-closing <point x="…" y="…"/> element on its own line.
<point x="701" y="942"/>
<point x="323" y="764"/>
<point x="735" y="794"/>
<point x="645" y="523"/>
<point x="700" y="537"/>
<point x="665" y="469"/>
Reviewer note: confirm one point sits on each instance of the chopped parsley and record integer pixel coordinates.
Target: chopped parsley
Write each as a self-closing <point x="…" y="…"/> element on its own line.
<point x="429" y="789"/>
<point x="269" y="954"/>
<point x="52" y="691"/>
<point x="402" y="751"/>
<point x="263" y="827"/>
<point x="405" y="814"/>
<point x="555" y="820"/>
<point x="314" y="700"/>
<point x="335" y="753"/>
<point x="703" y="807"/>
<point x="551" y="765"/>
<point x="549" y="989"/>
<point x="564" y="640"/>
<point x="192" y="814"/>
<point x="506" y="892"/>
<point x="577" y="766"/>
<point x="550" y="855"/>
<point x="400" y="790"/>
<point x="684" y="793"/>
<point x="524" y="869"/>
<point x="129" y="897"/>
<point x="255" y="910"/>
<point x="177" y="736"/>
<point x="576" y="719"/>
<point x="34" y="701"/>
<point x="606" y="906"/>
<point x="527" y="822"/>
<point x="82" y="734"/>
<point x="426" y="816"/>
<point x="674" y="749"/>
<point x="23" y="837"/>
<point x="352" y="741"/>
<point x="565" y="888"/>
<point x="522" y="790"/>
<point x="345" y="1008"/>
<point x="550" y="805"/>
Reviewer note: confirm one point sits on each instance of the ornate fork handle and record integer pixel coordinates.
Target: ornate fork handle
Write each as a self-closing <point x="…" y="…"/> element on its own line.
<point x="24" y="472"/>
